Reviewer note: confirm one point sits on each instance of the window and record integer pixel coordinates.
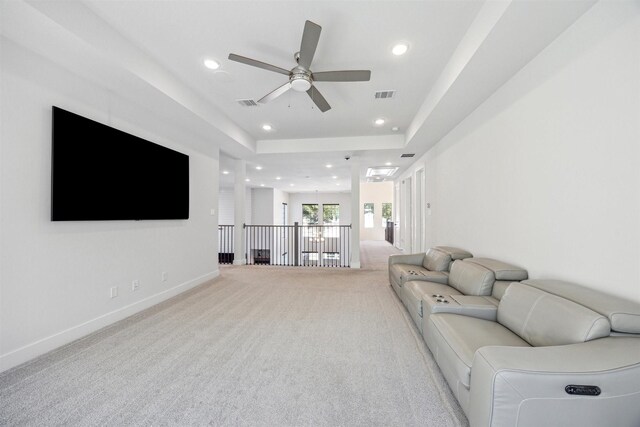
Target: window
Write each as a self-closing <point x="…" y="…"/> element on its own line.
<point x="309" y="214"/>
<point x="386" y="213"/>
<point x="368" y="215"/>
<point x="331" y="214"/>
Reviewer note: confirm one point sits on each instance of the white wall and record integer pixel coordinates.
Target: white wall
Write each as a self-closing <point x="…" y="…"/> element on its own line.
<point x="226" y="206"/>
<point x="262" y="206"/>
<point x="296" y="200"/>
<point x="279" y="197"/>
<point x="55" y="276"/>
<point x="376" y="193"/>
<point x="545" y="174"/>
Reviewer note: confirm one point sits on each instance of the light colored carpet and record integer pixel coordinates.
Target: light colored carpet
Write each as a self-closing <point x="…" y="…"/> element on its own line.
<point x="374" y="254"/>
<point x="258" y="346"/>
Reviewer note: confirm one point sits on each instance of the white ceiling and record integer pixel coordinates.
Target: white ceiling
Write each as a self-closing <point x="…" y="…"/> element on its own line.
<point x="355" y="35"/>
<point x="460" y="52"/>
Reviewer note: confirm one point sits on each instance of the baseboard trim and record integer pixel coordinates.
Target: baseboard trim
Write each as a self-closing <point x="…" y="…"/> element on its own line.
<point x="44" y="345"/>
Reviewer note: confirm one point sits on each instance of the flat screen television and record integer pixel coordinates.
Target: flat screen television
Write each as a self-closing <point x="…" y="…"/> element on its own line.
<point x="99" y="173"/>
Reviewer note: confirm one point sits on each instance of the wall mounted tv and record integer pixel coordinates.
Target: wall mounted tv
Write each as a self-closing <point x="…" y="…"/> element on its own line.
<point x="99" y="173"/>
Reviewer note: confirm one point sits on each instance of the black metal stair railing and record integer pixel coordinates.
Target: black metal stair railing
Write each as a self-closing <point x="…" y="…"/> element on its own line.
<point x="298" y="245"/>
<point x="225" y="244"/>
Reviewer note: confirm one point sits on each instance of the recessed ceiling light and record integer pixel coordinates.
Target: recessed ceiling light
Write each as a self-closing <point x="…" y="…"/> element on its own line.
<point x="266" y="127"/>
<point x="247" y="179"/>
<point x="278" y="178"/>
<point x="290" y="185"/>
<point x="395" y="128"/>
<point x="400" y="49"/>
<point x="334" y="177"/>
<point x="379" y="121"/>
<point x="211" y="64"/>
<point x="261" y="185"/>
<point x="388" y="164"/>
<point x="225" y="172"/>
<point x="329" y="166"/>
<point x="259" y="168"/>
<point x="337" y="183"/>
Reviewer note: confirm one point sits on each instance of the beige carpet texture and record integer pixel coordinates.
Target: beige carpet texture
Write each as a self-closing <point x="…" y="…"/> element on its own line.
<point x="258" y="346"/>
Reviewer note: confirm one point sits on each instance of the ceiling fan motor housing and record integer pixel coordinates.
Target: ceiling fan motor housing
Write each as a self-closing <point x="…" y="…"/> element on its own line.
<point x="300" y="79"/>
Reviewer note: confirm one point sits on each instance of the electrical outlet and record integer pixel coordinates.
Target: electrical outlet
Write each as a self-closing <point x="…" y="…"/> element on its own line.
<point x="163" y="276"/>
<point x="114" y="292"/>
<point x="135" y="285"/>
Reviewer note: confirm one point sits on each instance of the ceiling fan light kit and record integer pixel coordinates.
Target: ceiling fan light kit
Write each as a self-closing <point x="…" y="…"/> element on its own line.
<point x="301" y="77"/>
<point x="301" y="82"/>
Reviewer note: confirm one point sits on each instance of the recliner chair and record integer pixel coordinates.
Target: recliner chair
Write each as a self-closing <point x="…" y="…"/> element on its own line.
<point x="432" y="266"/>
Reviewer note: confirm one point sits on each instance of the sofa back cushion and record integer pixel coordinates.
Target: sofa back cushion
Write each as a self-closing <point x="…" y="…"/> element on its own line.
<point x="502" y="270"/>
<point x="543" y="319"/>
<point x="456" y="253"/>
<point x="499" y="288"/>
<point x="471" y="279"/>
<point x="624" y="315"/>
<point x="436" y="260"/>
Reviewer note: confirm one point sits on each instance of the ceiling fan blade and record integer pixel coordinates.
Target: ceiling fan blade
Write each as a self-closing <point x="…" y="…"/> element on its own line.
<point x="276" y="93"/>
<point x="318" y="99"/>
<point x="310" y="38"/>
<point x="342" y="76"/>
<point x="259" y="64"/>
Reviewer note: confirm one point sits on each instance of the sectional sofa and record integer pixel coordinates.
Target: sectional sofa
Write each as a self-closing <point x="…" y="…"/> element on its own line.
<point x="433" y="266"/>
<point x="520" y="352"/>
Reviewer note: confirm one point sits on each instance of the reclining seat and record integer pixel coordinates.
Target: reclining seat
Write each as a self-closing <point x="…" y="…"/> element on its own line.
<point x="432" y="266"/>
<point x="472" y="276"/>
<point x="499" y="379"/>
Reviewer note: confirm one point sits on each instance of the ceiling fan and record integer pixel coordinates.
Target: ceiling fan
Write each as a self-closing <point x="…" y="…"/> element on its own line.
<point x="301" y="77"/>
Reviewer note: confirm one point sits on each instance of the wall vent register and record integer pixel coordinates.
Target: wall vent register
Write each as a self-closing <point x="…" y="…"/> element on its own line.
<point x="247" y="102"/>
<point x="384" y="94"/>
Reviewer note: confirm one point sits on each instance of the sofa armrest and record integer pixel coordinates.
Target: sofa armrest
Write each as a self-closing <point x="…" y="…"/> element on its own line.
<point x="413" y="259"/>
<point x="464" y="305"/>
<point x="525" y="386"/>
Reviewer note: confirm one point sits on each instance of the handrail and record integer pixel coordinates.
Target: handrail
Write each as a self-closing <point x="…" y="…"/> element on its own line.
<point x="314" y="245"/>
<point x="298" y="245"/>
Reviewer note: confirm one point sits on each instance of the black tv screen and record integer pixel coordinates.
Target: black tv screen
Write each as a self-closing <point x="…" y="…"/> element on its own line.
<point x="100" y="173"/>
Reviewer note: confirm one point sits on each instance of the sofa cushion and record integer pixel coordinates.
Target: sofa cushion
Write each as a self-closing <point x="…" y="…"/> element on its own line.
<point x="542" y="319"/>
<point x="624" y="315"/>
<point x="430" y="276"/>
<point x="502" y="270"/>
<point x="455" y="253"/>
<point x="470" y="278"/>
<point x="499" y="288"/>
<point x="435" y="260"/>
<point x="456" y="339"/>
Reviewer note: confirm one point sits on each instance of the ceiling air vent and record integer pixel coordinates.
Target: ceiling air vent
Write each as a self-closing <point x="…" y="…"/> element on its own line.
<point x="408" y="155"/>
<point x="385" y="94"/>
<point x="378" y="173"/>
<point x="247" y="102"/>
